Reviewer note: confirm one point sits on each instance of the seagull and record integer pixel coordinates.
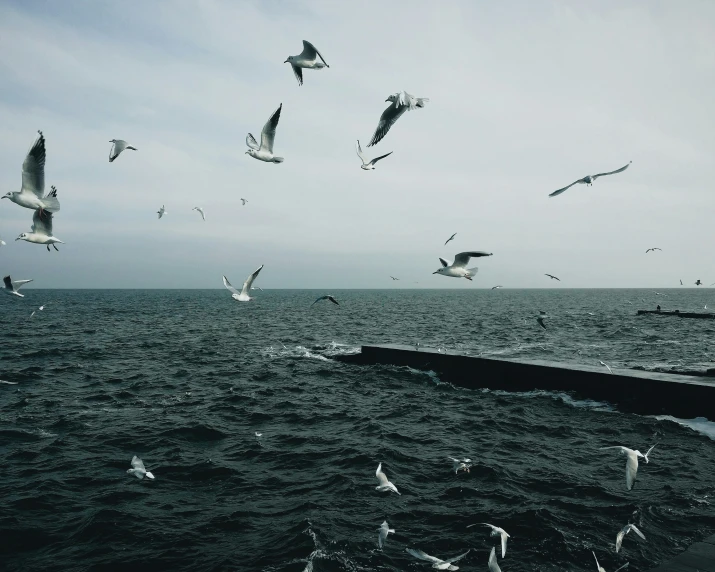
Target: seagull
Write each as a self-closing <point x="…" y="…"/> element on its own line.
<point x="39" y="309"/>
<point x="436" y="562"/>
<point x="162" y="211"/>
<point x="308" y="59"/>
<point x="493" y="566"/>
<point x="243" y="202"/>
<point x="264" y="152"/>
<point x="384" y="531"/>
<point x="606" y="366"/>
<point x="631" y="462"/>
<point x="681" y="283"/>
<point x="647" y="251"/>
<point x="698" y="283"/>
<point x="450" y="238"/>
<point x="458" y="268"/>
<point x="117" y="147"/>
<point x="460" y="464"/>
<point x="394" y="278"/>
<point x="384" y="485"/>
<point x="328" y="297"/>
<point x="497" y="287"/>
<point x="242" y="296"/>
<point x="541" y="317"/>
<point x="2" y="242"/>
<point x="589" y="179"/>
<point x="12" y="288"/>
<point x="33" y="181"/>
<point x="201" y="211"/>
<point x="399" y="103"/>
<point x="256" y="288"/>
<point x="600" y="569"/>
<point x="625" y="530"/>
<point x="371" y="165"/>
<point x="258" y="435"/>
<point x="41" y="230"/>
<point x="138" y="469"/>
<point x="496" y="531"/>
<point x="552" y="277"/>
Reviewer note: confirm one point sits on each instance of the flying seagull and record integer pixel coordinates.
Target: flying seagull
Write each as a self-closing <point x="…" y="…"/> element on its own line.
<point x="399" y="103"/>
<point x="460" y="464"/>
<point x="436" y="562"/>
<point x="589" y="179"/>
<point x="681" y="283"/>
<point x="138" y="469"/>
<point x="698" y="283"/>
<point x="497" y="287"/>
<point x="33" y="181"/>
<point x="371" y="165"/>
<point x="384" y="531"/>
<point x="493" y="566"/>
<point x="327" y="297"/>
<point x="631" y="462"/>
<point x="162" y="211"/>
<point x="384" y="485"/>
<point x="625" y="530"/>
<point x="12" y="288"/>
<point x="243" y="202"/>
<point x="117" y="147"/>
<point x="450" y="238"/>
<point x="496" y="531"/>
<point x="552" y="277"/>
<point x="394" y="278"/>
<point x="264" y="152"/>
<point x="201" y="211"/>
<point x="242" y="296"/>
<point x="458" y="268"/>
<point x="38" y="310"/>
<point x="601" y="569"/>
<point x="606" y="366"/>
<point x="41" y="230"/>
<point x="542" y="315"/>
<point x="647" y="251"/>
<point x="308" y="59"/>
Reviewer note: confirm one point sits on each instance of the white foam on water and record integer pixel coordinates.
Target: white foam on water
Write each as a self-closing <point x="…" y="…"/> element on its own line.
<point x="559" y="396"/>
<point x="700" y="424"/>
<point x="429" y="373"/>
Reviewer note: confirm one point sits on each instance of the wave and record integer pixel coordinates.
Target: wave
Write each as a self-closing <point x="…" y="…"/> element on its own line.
<point x="699" y="424"/>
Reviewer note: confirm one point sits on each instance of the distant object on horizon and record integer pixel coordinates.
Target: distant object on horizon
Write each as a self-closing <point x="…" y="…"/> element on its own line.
<point x="201" y="211"/>
<point x="589" y="179"/>
<point x="681" y="283"/>
<point x="41" y="230"/>
<point x="118" y="146"/>
<point x="307" y="59"/>
<point x="12" y="288"/>
<point x="458" y="268"/>
<point x="264" y="151"/>
<point x="698" y="283"/>
<point x="647" y="251"/>
<point x="327" y="297"/>
<point x="368" y="166"/>
<point x="394" y="278"/>
<point x="552" y="277"/>
<point x="497" y="287"/>
<point x="400" y="102"/>
<point x="450" y="238"/>
<point x="161" y="212"/>
<point x="242" y="296"/>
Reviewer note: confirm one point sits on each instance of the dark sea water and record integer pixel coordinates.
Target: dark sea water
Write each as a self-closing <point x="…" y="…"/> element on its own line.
<point x="184" y="379"/>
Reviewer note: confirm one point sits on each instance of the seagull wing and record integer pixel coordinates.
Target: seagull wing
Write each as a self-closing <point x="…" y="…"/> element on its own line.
<point x="504" y="536"/>
<point x="450" y="238"/>
<point x="634" y="528"/>
<point x="359" y="153"/>
<point x="422" y="556"/>
<point x="376" y="159"/>
<point x="493" y="566"/>
<point x="626" y="565"/>
<point x="17" y="284"/>
<point x="631" y="469"/>
<point x="298" y="71"/>
<point x="117" y="147"/>
<point x="541" y="322"/>
<point x="42" y="223"/>
<point x="318" y="300"/>
<point x="268" y="134"/>
<point x="612" y="172"/>
<point x="444" y="262"/>
<point x="462" y="259"/>
<point x="227" y="284"/>
<point x="249" y="281"/>
<point x="333" y="300"/>
<point x="619" y="538"/>
<point x="387" y="120"/>
<point x="251" y="142"/>
<point x="556" y="193"/>
<point x="33" y="168"/>
<point x="310" y="51"/>
<point x="455" y="558"/>
<point x="382" y="477"/>
<point x="137" y="463"/>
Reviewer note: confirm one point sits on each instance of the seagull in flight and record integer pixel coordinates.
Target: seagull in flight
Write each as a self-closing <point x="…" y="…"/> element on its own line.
<point x="264" y="152"/>
<point x="647" y="251"/>
<point x="458" y="268"/>
<point x="496" y="531"/>
<point x="631" y="462"/>
<point x="394" y="278"/>
<point x="117" y="147"/>
<point x="308" y="59"/>
<point x="327" y="297"/>
<point x="436" y="562"/>
<point x="460" y="464"/>
<point x="553" y="277"/>
<point x="384" y="485"/>
<point x="493" y="566"/>
<point x="625" y="530"/>
<point x="497" y="287"/>
<point x="698" y="283"/>
<point x="12" y="288"/>
<point x="399" y="103"/>
<point x="450" y="238"/>
<point x="601" y="569"/>
<point x="243" y="202"/>
<point x="606" y="366"/>
<point x="242" y="296"/>
<point x="39" y="309"/>
<point x="541" y="317"/>
<point x="200" y="210"/>
<point x="41" y="230"/>
<point x="138" y="469"/>
<point x="33" y="181"/>
<point x="371" y="165"/>
<point x="589" y="179"/>
<point x="681" y="283"/>
<point x="161" y="212"/>
<point x="384" y="531"/>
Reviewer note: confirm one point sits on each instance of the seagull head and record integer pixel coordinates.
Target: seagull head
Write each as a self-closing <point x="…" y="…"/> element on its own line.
<point x="290" y="59"/>
<point x="392" y="98"/>
<point x="252" y="151"/>
<point x="112" y="140"/>
<point x="439" y="271"/>
<point x="23" y="236"/>
<point x="7" y="196"/>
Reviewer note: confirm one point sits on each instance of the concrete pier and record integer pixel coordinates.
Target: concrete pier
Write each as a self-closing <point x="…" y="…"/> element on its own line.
<point x="678" y="313"/>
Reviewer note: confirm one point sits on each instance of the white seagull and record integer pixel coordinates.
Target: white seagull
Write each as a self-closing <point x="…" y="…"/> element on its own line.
<point x="242" y="296"/>
<point x="493" y="566"/>
<point x="625" y="530"/>
<point x="460" y="464"/>
<point x="308" y="59"/>
<point x="38" y="310"/>
<point x="601" y="569"/>
<point x="12" y="288"/>
<point x="589" y="179"/>
<point x="384" y="485"/>
<point x="201" y="211"/>
<point x="327" y="297"/>
<point x="117" y="147"/>
<point x="436" y="562"/>
<point x="138" y="469"/>
<point x="264" y="152"/>
<point x="606" y="366"/>
<point x="33" y="181"/>
<point x="399" y="103"/>
<point x="496" y="531"/>
<point x="162" y="211"/>
<point x="384" y="531"/>
<point x="371" y="165"/>
<point x="631" y="462"/>
<point x="41" y="230"/>
<point x="458" y="268"/>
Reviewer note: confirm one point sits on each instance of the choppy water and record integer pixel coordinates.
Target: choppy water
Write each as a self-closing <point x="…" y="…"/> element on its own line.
<point x="185" y="378"/>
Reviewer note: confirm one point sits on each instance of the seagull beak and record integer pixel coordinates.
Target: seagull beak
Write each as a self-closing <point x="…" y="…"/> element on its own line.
<point x="285" y="62"/>
<point x="437" y="272"/>
<point x="4" y="197"/>
<point x="18" y="238"/>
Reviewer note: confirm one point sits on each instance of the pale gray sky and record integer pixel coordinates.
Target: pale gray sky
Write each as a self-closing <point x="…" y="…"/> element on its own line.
<point x="526" y="96"/>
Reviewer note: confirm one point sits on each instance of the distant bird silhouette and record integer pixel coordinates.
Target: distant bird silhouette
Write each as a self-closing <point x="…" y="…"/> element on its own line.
<point x="450" y="238"/>
<point x="328" y="297"/>
<point x="394" y="278"/>
<point x="552" y="277"/>
<point x="496" y="287"/>
<point x="647" y="251"/>
<point x="541" y="317"/>
<point x="698" y="283"/>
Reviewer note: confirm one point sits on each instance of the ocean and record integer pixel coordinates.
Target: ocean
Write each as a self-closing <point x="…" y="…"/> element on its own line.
<point x="185" y="378"/>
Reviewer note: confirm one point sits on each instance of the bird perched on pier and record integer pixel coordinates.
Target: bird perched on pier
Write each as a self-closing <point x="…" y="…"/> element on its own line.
<point x="652" y="249"/>
<point x="327" y="297"/>
<point x="307" y="59"/>
<point x="589" y="179"/>
<point x="368" y="166"/>
<point x="458" y="268"/>
<point x="41" y="230"/>
<point x="400" y="102"/>
<point x="264" y="151"/>
<point x="12" y="288"/>
<point x="117" y="147"/>
<point x="632" y="457"/>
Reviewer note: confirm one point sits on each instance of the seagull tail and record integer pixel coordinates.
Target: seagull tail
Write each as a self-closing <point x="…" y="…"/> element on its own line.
<point x="278" y="159"/>
<point x="51" y="203"/>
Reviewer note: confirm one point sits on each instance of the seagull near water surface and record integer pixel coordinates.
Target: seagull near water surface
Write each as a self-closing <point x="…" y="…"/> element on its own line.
<point x="625" y="530"/>
<point x="631" y="462"/>
<point x="328" y="297"/>
<point x="496" y="531"/>
<point x="384" y="531"/>
<point x="242" y="296"/>
<point x="589" y="179"/>
<point x="400" y="102"/>
<point x="385" y="485"/>
<point x="437" y="563"/>
<point x="601" y="569"/>
<point x="307" y="59"/>
<point x="458" y="268"/>
<point x="264" y="151"/>
<point x="139" y="470"/>
<point x="38" y="310"/>
<point x="12" y="288"/>
<point x="368" y="166"/>
<point x="118" y="146"/>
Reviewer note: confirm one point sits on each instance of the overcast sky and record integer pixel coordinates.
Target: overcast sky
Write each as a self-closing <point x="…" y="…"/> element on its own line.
<point x="526" y="97"/>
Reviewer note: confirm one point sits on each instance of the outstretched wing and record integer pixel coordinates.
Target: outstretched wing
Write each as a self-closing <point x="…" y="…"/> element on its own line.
<point x="359" y="152"/>
<point x="137" y="463"/>
<point x="33" y="168"/>
<point x="227" y="284"/>
<point x="310" y="51"/>
<point x="455" y="558"/>
<point x="268" y="134"/>
<point x="249" y="281"/>
<point x="42" y="222"/>
<point x="298" y="71"/>
<point x="556" y="193"/>
<point x="17" y="284"/>
<point x="634" y="528"/>
<point x="318" y="300"/>
<point x="612" y="172"/>
<point x="382" y="477"/>
<point x="376" y="159"/>
<point x="251" y="142"/>
<point x="333" y="300"/>
<point x="443" y="261"/>
<point x="387" y="120"/>
<point x="462" y="259"/>
<point x="117" y="147"/>
<point x="422" y="556"/>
